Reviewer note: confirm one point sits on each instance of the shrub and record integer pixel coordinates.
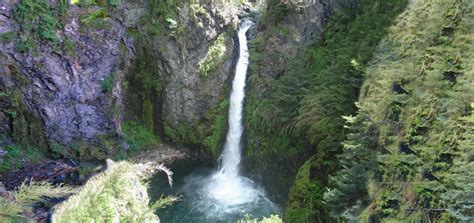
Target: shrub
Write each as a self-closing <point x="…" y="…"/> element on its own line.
<point x="119" y="194"/>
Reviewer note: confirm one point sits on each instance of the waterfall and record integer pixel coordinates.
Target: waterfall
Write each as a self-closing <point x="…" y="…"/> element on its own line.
<point x="224" y="195"/>
<point x="230" y="157"/>
<point x="227" y="186"/>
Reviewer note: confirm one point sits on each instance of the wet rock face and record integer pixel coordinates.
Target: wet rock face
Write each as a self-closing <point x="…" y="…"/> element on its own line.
<point x="64" y="89"/>
<point x="187" y="94"/>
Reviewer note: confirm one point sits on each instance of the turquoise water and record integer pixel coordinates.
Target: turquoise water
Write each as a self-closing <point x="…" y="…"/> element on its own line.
<point x="190" y="182"/>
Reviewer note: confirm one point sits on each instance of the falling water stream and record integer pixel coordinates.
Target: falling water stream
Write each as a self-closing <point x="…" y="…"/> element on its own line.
<point x="227" y="186"/>
<point x="223" y="195"/>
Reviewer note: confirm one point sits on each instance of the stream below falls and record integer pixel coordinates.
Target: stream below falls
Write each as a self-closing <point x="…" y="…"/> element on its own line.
<point x="195" y="205"/>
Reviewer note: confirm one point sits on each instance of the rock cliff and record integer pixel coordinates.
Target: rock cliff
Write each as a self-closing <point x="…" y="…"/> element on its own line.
<point x="75" y="73"/>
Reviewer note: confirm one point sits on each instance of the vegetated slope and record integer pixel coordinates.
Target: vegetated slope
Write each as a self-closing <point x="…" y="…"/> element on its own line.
<point x="294" y="114"/>
<point x="410" y="154"/>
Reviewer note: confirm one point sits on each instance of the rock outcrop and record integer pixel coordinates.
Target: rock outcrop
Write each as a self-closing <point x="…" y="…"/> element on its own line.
<point x="63" y="88"/>
<point x="75" y="85"/>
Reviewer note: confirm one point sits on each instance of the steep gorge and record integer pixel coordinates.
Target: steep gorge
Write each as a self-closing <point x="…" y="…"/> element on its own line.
<point x="355" y="110"/>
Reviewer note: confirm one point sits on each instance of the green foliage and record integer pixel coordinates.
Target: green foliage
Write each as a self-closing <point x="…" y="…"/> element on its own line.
<point x="299" y="113"/>
<point x="177" y="29"/>
<point x="108" y="84"/>
<point x="215" y="55"/>
<point x="276" y="12"/>
<point x="305" y="198"/>
<point x="357" y="159"/>
<point x="25" y="44"/>
<point x="98" y="19"/>
<point x="336" y="65"/>
<point x="139" y="137"/>
<point x="39" y="19"/>
<point x="120" y="192"/>
<point x="271" y="219"/>
<point x="26" y="126"/>
<point x="19" y="204"/>
<point x="162" y="12"/>
<point x="18" y="156"/>
<point x="459" y="194"/>
<point x="214" y="141"/>
<point x="409" y="136"/>
<point x="7" y="37"/>
<point x="85" y="3"/>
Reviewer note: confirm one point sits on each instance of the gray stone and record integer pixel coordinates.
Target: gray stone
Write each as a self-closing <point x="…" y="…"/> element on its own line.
<point x="66" y="90"/>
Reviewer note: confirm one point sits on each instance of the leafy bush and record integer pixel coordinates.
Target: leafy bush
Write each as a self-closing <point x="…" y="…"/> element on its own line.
<point x="119" y="194"/>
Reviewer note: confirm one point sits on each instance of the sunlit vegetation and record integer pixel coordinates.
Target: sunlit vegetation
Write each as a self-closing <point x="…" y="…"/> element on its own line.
<point x="16" y="205"/>
<point x="271" y="219"/>
<point x="302" y="108"/>
<point x="119" y="194"/>
<point x="409" y="154"/>
<point x="215" y="55"/>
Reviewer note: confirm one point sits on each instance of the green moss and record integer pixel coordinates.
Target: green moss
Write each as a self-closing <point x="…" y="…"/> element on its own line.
<point x="183" y="134"/>
<point x="25" y="44"/>
<point x="108" y="84"/>
<point x="206" y="134"/>
<point x="214" y="141"/>
<point x="19" y="155"/>
<point x="216" y="54"/>
<point x="26" y="127"/>
<point x="39" y="20"/>
<point x="103" y="147"/>
<point x="139" y="137"/>
<point x="136" y="136"/>
<point x="98" y="19"/>
<point x="7" y="37"/>
<point x="305" y="198"/>
<point x="143" y="90"/>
